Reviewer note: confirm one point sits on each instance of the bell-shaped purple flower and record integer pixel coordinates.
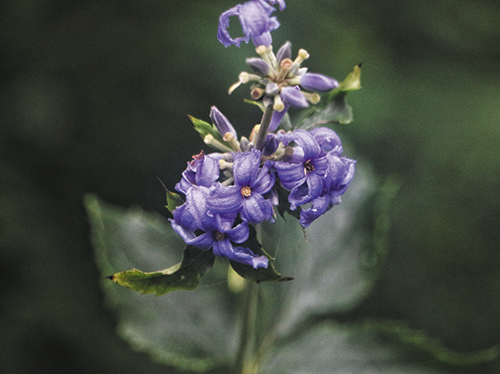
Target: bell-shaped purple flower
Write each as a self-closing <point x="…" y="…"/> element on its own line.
<point x="203" y="170"/>
<point x="256" y="22"/>
<point x="245" y="197"/>
<point x="304" y="172"/>
<point x="198" y="227"/>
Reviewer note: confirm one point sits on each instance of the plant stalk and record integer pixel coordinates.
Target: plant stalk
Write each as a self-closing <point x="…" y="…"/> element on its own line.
<point x="247" y="362"/>
<point x="264" y="127"/>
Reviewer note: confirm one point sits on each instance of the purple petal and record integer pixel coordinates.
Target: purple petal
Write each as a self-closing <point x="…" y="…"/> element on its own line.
<point x="277" y="117"/>
<point x="327" y="139"/>
<point x="293" y="97"/>
<point x="246" y="167"/>
<point x="238" y="234"/>
<point x="256" y="209"/>
<point x="240" y="254"/>
<point x="223" y="34"/>
<point x="306" y="141"/>
<point x="319" y="206"/>
<point x="224" y="199"/>
<point x="290" y="175"/>
<point x="306" y="192"/>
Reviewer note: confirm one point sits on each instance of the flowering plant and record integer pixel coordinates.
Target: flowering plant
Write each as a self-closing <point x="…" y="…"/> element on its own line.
<point x="274" y="191"/>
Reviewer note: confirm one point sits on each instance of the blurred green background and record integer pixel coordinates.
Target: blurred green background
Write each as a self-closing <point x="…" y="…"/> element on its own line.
<point x="95" y="97"/>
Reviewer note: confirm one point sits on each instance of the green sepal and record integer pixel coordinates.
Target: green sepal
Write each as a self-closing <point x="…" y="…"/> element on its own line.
<point x="173" y="201"/>
<point x="185" y="275"/>
<point x="204" y="129"/>
<point x="257" y="275"/>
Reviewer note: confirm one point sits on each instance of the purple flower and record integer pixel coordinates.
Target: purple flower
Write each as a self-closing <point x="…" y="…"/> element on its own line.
<point x="256" y="22"/>
<point x="245" y="196"/>
<point x="198" y="227"/>
<point x="304" y="172"/>
<point x="340" y="174"/>
<point x="203" y="171"/>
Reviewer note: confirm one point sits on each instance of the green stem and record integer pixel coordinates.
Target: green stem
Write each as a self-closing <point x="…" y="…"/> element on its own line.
<point x="246" y="362"/>
<point x="264" y="127"/>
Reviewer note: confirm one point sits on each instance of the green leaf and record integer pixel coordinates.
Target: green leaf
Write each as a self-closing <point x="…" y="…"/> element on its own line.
<point x="183" y="276"/>
<point x="173" y="201"/>
<point x="330" y="348"/>
<point x="204" y="129"/>
<point x="192" y="330"/>
<point x="257" y="275"/>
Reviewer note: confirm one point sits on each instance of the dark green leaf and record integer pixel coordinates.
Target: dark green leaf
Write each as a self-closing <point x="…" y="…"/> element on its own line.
<point x="183" y="276"/>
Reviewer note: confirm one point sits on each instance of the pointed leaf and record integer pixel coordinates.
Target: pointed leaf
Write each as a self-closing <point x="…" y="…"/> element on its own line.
<point x="173" y="201"/>
<point x="204" y="129"/>
<point x="183" y="276"/>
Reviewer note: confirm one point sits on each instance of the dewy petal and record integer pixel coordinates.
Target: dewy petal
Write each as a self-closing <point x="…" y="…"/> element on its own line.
<point x="319" y="206"/>
<point x="246" y="167"/>
<point x="327" y="139"/>
<point x="293" y="96"/>
<point x="318" y="82"/>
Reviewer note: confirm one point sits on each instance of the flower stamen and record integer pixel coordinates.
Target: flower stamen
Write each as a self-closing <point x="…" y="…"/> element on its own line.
<point x="246" y="191"/>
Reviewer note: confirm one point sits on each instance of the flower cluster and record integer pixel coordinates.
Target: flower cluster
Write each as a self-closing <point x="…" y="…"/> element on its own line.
<point x="238" y="186"/>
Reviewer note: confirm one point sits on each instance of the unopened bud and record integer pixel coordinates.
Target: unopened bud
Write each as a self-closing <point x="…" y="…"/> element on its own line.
<point x="258" y="66"/>
<point x="272" y="89"/>
<point x="285" y="51"/>
<point x="318" y="82"/>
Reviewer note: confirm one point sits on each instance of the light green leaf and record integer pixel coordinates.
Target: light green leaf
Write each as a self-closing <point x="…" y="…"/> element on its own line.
<point x="183" y="276"/>
<point x="204" y="129"/>
<point x="329" y="348"/>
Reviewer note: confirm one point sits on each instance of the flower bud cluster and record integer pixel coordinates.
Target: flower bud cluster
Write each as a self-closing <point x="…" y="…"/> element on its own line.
<point x="277" y="80"/>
